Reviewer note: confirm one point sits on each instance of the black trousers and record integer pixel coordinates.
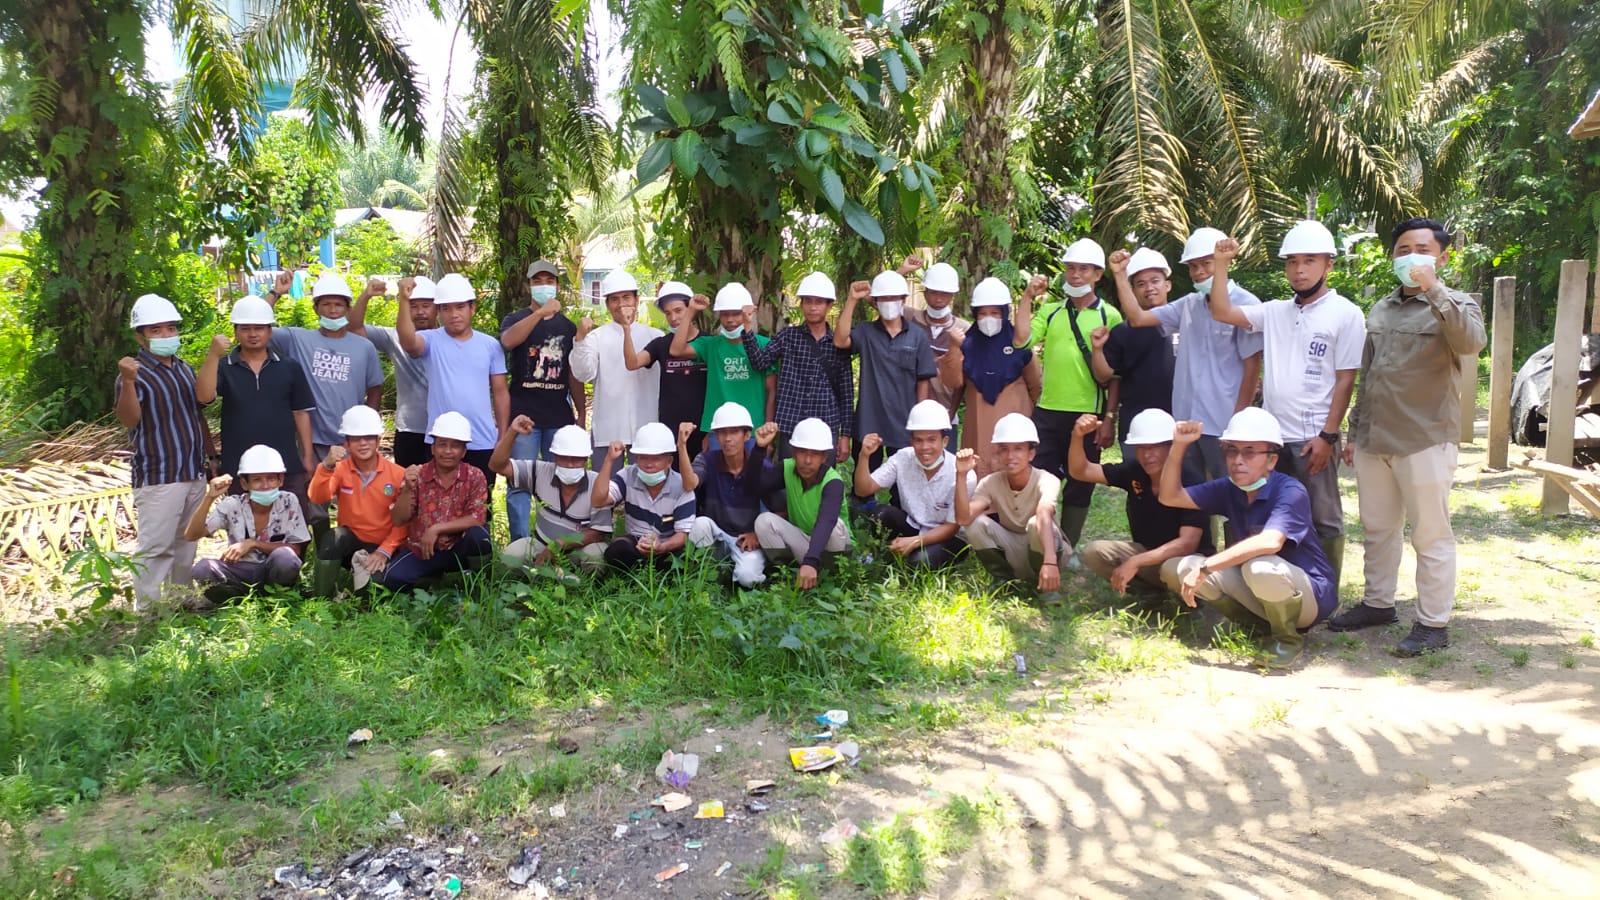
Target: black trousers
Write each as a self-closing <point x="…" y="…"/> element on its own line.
<point x="1055" y="436"/>
<point x="411" y="448"/>
<point x="341" y="543"/>
<point x="479" y="459"/>
<point x="892" y="521"/>
<point x="623" y="553"/>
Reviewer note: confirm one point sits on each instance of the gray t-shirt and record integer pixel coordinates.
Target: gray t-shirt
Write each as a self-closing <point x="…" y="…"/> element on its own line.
<point x="340" y="370"/>
<point x="410" y="381"/>
<point x="1211" y="355"/>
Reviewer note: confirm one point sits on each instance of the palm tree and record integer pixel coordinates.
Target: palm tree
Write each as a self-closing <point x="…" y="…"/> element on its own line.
<point x="381" y="173"/>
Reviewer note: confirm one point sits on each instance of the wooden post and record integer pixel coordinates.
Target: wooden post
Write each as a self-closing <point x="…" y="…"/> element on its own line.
<point x="1500" y="373"/>
<point x="1559" y="436"/>
<point x="1469" y="391"/>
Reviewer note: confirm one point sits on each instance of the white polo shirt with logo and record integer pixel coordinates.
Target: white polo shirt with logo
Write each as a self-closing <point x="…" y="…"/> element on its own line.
<point x="1306" y="347"/>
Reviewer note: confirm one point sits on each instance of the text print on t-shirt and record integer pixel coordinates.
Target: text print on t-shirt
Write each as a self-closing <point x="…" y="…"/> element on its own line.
<point x="735" y="368"/>
<point x="1317" y="359"/>
<point x="329" y="366"/>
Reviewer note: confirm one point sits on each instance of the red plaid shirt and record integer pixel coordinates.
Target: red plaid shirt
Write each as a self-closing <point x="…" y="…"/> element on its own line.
<point x="435" y="502"/>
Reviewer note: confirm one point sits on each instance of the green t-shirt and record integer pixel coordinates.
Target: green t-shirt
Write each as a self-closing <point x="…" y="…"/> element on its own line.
<point x="803" y="502"/>
<point x="730" y="378"/>
<point x="1069" y="385"/>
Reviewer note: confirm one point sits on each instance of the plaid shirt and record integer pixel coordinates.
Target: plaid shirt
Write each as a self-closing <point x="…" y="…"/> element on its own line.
<point x="814" y="379"/>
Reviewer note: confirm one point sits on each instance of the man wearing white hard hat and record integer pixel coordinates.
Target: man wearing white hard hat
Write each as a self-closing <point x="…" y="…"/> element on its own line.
<point x="730" y="375"/>
<point x="1158" y="532"/>
<point x="814" y="377"/>
<point x="731" y="488"/>
<point x="1070" y="386"/>
<point x="266" y="531"/>
<point x="990" y="375"/>
<point x="940" y="285"/>
<point x="683" y="379"/>
<point x="565" y="521"/>
<point x="157" y="403"/>
<point x="1011" y="518"/>
<point x="1140" y="359"/>
<point x="415" y="298"/>
<point x="365" y="485"/>
<point x="444" y="504"/>
<point x="1275" y="577"/>
<point x="1313" y="350"/>
<point x="897" y="368"/>
<point x="921" y="524"/>
<point x="657" y="511"/>
<point x="624" y="400"/>
<point x="814" y="524"/>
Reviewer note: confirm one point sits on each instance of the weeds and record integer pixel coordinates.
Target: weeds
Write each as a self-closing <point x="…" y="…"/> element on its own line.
<point x="896" y="858"/>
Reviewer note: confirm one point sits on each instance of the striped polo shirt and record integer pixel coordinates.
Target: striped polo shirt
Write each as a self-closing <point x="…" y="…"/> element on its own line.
<point x="169" y="441"/>
<point x="556" y="520"/>
<point x="669" y="511"/>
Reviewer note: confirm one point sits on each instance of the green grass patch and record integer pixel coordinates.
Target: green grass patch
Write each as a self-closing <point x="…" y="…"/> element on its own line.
<point x="900" y="858"/>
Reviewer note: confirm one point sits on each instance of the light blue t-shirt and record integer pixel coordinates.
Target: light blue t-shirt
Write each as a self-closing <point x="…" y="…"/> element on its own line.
<point x="458" y="379"/>
<point x="340" y="371"/>
<point x="1211" y="355"/>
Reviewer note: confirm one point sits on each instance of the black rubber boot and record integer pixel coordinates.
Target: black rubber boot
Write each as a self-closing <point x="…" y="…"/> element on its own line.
<point x="999" y="568"/>
<point x="1362" y="616"/>
<point x="1072" y="519"/>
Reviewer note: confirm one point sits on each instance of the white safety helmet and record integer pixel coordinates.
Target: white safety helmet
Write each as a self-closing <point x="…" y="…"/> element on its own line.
<point x="1085" y="251"/>
<point x="252" y="311"/>
<point x="1308" y="237"/>
<point x="423" y="288"/>
<point x="571" y="440"/>
<point x="1015" y="428"/>
<point x="1202" y="243"/>
<point x="941" y="277"/>
<point x="733" y="297"/>
<point x="812" y="434"/>
<point x="991" y="292"/>
<point x="890" y="284"/>
<point x="1152" y="426"/>
<point x="731" y="415"/>
<point x="1145" y="258"/>
<point x="261" y="460"/>
<point x="153" y="309"/>
<point x="816" y="285"/>
<point x="330" y="284"/>
<point x="454" y="288"/>
<point x="361" y="420"/>
<point x="928" y="415"/>
<point x="653" y="438"/>
<point x="1253" y="424"/>
<point x="673" y="290"/>
<point x="618" y="281"/>
<point x="453" y="426"/>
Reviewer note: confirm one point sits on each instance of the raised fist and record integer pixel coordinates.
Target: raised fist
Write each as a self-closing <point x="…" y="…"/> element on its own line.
<point x="413" y="474"/>
<point x="870" y="444"/>
<point x="1085" y="425"/>
<point x="376" y="287"/>
<point x="218" y="486"/>
<point x="220" y="345"/>
<point x="129" y="367"/>
<point x="551" y="306"/>
<point x="860" y="290"/>
<point x="1118" y="261"/>
<point x="585" y="325"/>
<point x="1037" y="285"/>
<point x="684" y="430"/>
<point x="1186" y="432"/>
<point x="336" y="454"/>
<point x="615" y="451"/>
<point x="282" y="283"/>
<point x="912" y="262"/>
<point x="766" y="434"/>
<point x="406" y="286"/>
<point x="699" y="303"/>
<point x="966" y="461"/>
<point x="522" y="425"/>
<point x="1099" y="336"/>
<point x="1227" y="249"/>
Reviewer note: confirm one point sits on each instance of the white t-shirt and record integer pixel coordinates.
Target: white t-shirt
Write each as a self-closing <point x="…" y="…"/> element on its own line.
<point x="1306" y="347"/>
<point x="927" y="502"/>
<point x="623" y="400"/>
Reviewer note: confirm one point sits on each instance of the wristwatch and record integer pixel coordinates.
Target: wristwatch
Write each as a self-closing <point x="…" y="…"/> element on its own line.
<point x="1332" y="437"/>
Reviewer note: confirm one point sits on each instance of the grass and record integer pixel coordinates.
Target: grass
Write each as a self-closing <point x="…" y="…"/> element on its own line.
<point x="903" y="856"/>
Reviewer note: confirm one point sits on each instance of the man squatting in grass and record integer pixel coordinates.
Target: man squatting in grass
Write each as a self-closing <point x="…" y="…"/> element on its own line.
<point x="365" y="485"/>
<point x="814" y="492"/>
<point x="566" y="520"/>
<point x="657" y="511"/>
<point x="1010" y="519"/>
<point x="921" y="526"/>
<point x="731" y="487"/>
<point x="266" y="531"/>
<point x="444" y="503"/>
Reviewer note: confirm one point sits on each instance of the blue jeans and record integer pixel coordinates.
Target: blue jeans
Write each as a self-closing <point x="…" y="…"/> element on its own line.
<point x="519" y="503"/>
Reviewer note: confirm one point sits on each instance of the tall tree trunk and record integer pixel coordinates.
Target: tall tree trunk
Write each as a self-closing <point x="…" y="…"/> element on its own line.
<point x="728" y="249"/>
<point x="517" y="139"/>
<point x="982" y="227"/>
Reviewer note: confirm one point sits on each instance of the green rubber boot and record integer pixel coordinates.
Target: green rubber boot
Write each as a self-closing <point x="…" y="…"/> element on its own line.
<point x="1286" y="643"/>
<point x="1072" y="519"/>
<point x="1238" y="614"/>
<point x="325" y="577"/>
<point x="999" y="568"/>
<point x="1333" y="548"/>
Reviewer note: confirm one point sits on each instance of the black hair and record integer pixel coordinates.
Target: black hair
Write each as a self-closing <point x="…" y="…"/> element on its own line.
<point x="1440" y="234"/>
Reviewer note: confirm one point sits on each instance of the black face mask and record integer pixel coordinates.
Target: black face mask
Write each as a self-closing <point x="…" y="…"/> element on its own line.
<point x="1300" y="296"/>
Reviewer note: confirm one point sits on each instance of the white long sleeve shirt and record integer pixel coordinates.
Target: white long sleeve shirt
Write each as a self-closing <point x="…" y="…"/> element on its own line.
<point x="623" y="400"/>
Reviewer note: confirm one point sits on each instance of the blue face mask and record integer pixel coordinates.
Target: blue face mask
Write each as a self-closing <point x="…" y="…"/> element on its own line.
<point x="731" y="333"/>
<point x="1254" y="485"/>
<point x="165" y="346"/>
<point x="651" y="479"/>
<point x="543" y="293"/>
<point x="264" y="498"/>
<point x="1204" y="287"/>
<point x="333" y="324"/>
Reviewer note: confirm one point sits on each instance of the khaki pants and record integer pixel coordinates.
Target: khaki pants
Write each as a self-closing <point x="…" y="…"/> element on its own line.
<point x="1103" y="558"/>
<point x="987" y="533"/>
<point x="781" y="538"/>
<point x="1415" y="488"/>
<point x="162" y="511"/>
<point x="1268" y="579"/>
<point x="523" y="551"/>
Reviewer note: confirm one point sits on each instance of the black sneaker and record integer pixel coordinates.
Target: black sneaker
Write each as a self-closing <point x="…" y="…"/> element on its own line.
<point x="1362" y="616"/>
<point x="1423" y="639"/>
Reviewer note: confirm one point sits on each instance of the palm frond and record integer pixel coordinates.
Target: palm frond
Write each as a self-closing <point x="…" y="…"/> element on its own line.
<point x="221" y="95"/>
<point x="1141" y="186"/>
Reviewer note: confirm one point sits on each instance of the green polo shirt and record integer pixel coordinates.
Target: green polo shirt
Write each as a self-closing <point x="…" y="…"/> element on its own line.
<point x="1069" y="385"/>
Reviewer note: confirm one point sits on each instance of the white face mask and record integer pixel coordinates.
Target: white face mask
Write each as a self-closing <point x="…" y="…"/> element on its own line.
<point x="890" y="309"/>
<point x="651" y="479"/>
<point x="1077" y="290"/>
<point x="938" y="313"/>
<point x="569" y="476"/>
<point x="1204" y="287"/>
<point x="991" y="325"/>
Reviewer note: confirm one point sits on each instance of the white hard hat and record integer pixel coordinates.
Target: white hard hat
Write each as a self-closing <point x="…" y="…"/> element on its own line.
<point x="1202" y="243"/>
<point x="1085" y="251"/>
<point x="1253" y="424"/>
<point x="571" y="440"/>
<point x="653" y="438"/>
<point x="812" y="434"/>
<point x="153" y="309"/>
<point x="731" y="415"/>
<point x="361" y="420"/>
<point x="816" y="285"/>
<point x="1152" y="426"/>
<point x="1145" y="258"/>
<point x="452" y="425"/>
<point x="733" y="297"/>
<point x="261" y="460"/>
<point x="1308" y="237"/>
<point x="890" y="284"/>
<point x="618" y="281"/>
<point x="673" y="290"/>
<point x="941" y="277"/>
<point x="423" y="288"/>
<point x="1015" y="428"/>
<point x="252" y="311"/>
<point x="330" y="284"/>
<point x="928" y="415"/>
<point x="991" y="292"/>
<point x="454" y="288"/>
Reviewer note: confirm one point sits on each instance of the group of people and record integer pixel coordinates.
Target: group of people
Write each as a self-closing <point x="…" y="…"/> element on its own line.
<point x="986" y="434"/>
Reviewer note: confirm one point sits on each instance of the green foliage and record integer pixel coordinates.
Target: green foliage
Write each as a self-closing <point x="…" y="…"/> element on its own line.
<point x="382" y="173"/>
<point x="298" y="186"/>
<point x="372" y="247"/>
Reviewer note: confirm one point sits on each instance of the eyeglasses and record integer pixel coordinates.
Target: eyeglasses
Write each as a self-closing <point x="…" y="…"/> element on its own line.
<point x="1248" y="454"/>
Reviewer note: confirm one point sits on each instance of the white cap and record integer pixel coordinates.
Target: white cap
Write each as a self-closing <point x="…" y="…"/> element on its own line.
<point x="812" y="434"/>
<point x="330" y="284"/>
<point x="1202" y="243"/>
<point x="1152" y="426"/>
<point x="816" y="285"/>
<point x="423" y="288"/>
<point x="733" y="297"/>
<point x="454" y="288"/>
<point x="153" y="309"/>
<point x="653" y="438"/>
<point x="1308" y="237"/>
<point x="941" y="277"/>
<point x="452" y="425"/>
<point x="618" y="281"/>
<point x="1145" y="258"/>
<point x="890" y="284"/>
<point x="1085" y="251"/>
<point x="361" y="420"/>
<point x="991" y="292"/>
<point x="928" y="415"/>
<point x="1253" y="424"/>
<point x="1015" y="428"/>
<point x="261" y="460"/>
<point x="571" y="440"/>
<point x="252" y="311"/>
<point x="673" y="290"/>
<point x="731" y="415"/>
